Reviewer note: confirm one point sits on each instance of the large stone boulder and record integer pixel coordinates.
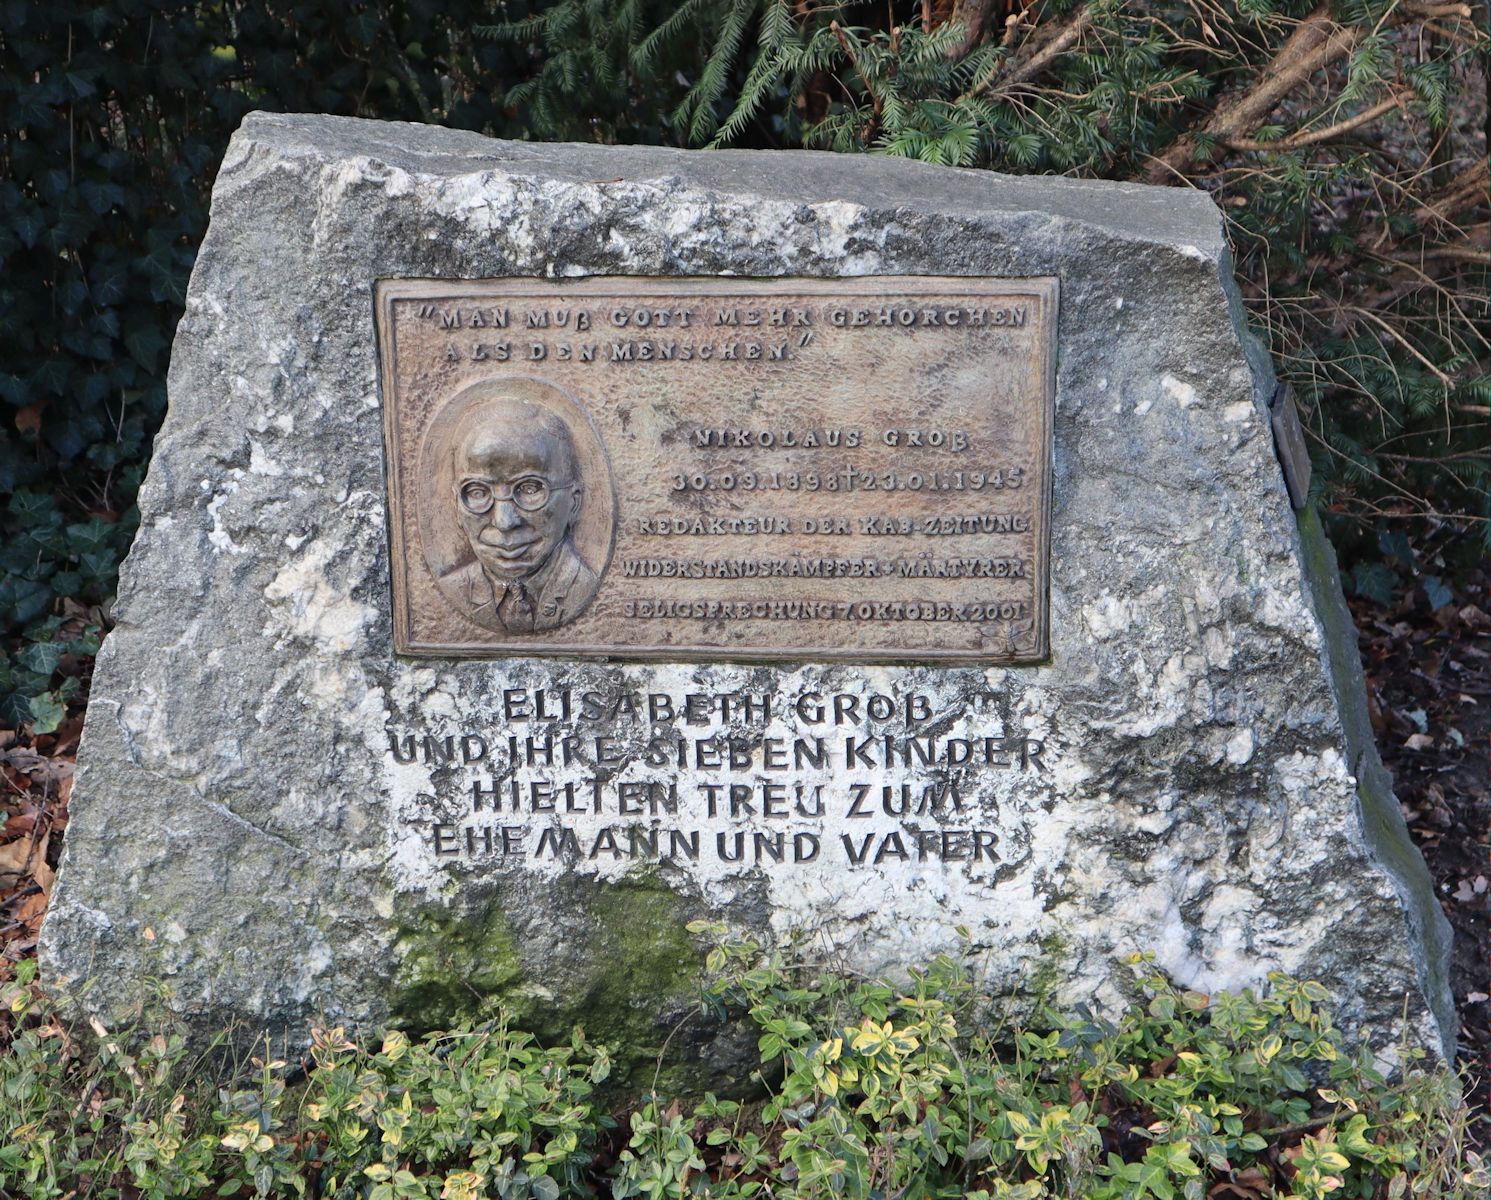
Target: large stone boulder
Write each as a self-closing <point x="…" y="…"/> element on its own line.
<point x="260" y="784"/>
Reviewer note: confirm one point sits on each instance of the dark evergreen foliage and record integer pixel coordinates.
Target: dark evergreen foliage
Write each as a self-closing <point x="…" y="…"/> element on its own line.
<point x="1344" y="144"/>
<point x="113" y="118"/>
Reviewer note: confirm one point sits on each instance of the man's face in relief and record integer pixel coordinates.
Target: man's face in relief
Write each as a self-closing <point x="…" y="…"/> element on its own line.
<point x="516" y="488"/>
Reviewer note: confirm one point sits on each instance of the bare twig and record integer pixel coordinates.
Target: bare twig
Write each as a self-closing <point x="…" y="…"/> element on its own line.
<point x="1037" y="53"/>
<point x="1472" y="248"/>
<point x="1447" y="260"/>
<point x="1314" y="136"/>
<point x="1369" y="315"/>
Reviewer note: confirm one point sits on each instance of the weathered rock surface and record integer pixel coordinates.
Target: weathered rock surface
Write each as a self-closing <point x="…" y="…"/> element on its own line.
<point x="242" y="829"/>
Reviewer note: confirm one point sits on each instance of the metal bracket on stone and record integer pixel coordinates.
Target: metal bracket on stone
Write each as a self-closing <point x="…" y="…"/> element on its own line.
<point x="1289" y="444"/>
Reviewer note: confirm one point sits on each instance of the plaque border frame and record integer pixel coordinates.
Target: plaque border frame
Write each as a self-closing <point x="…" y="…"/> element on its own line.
<point x="388" y="290"/>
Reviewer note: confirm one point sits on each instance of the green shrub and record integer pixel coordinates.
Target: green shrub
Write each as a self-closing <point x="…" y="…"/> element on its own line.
<point x="865" y="1089"/>
<point x="113" y="118"/>
<point x="924" y="1091"/>
<point x="463" y="1114"/>
<point x="1343" y="144"/>
<point x="1343" y="141"/>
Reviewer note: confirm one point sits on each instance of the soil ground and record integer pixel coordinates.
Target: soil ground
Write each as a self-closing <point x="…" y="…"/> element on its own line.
<point x="1429" y="686"/>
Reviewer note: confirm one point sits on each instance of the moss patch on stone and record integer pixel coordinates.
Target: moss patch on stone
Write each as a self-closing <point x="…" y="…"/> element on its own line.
<point x="1382" y="820"/>
<point x="448" y="964"/>
<point x="643" y="953"/>
<point x="1051" y="967"/>
<point x="625" y="974"/>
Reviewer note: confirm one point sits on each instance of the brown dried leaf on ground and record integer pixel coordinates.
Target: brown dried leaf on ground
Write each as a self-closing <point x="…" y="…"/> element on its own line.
<point x="1429" y="687"/>
<point x="36" y="777"/>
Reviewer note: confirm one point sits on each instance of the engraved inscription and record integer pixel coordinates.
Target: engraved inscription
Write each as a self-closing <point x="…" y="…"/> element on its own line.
<point x="566" y="779"/>
<point x="794" y="469"/>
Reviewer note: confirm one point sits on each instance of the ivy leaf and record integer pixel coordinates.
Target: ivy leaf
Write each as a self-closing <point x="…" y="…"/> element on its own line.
<point x="13" y="390"/>
<point x="145" y="342"/>
<point x="28" y="225"/>
<point x="1395" y="545"/>
<point x="1436" y="592"/>
<point x="1375" y="581"/>
<point x="15" y="710"/>
<point x="109" y="282"/>
<point x="41" y="657"/>
<point x="50" y="378"/>
<point x="46" y="713"/>
<point x="82" y="86"/>
<point x="101" y="197"/>
<point x="23" y="600"/>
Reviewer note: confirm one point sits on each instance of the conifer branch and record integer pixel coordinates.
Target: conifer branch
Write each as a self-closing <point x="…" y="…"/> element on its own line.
<point x="1431" y="12"/>
<point x="1316" y="42"/>
<point x="974" y="16"/>
<point x="1464" y="190"/>
<point x="875" y="103"/>
<point x="1423" y="267"/>
<point x="1038" y="53"/>
<point x="1315" y="136"/>
<point x="410" y="78"/>
<point x="1063" y="36"/>
<point x="1472" y="248"/>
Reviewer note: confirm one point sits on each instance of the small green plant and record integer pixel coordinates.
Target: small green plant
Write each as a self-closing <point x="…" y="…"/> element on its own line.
<point x="865" y="1089"/>
<point x="460" y="1115"/>
<point x="481" y="1109"/>
<point x="45" y="672"/>
<point x="924" y="1091"/>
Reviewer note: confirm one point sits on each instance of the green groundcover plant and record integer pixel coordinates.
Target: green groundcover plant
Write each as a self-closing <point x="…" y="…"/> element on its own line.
<point x="865" y="1089"/>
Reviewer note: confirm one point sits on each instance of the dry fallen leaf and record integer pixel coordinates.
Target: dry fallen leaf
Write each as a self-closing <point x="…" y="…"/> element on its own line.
<point x="39" y="767"/>
<point x="15" y="859"/>
<point x="1471" y="615"/>
<point x="1233" y="1191"/>
<point x="1250" y="1184"/>
<point x="33" y="907"/>
<point x="19" y="824"/>
<point x="1468" y="889"/>
<point x="28" y="420"/>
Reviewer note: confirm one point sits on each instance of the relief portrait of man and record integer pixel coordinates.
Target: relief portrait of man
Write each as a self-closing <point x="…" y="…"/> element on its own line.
<point x="515" y="486"/>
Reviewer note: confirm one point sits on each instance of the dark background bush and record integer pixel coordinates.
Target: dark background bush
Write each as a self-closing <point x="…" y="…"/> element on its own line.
<point x="1362" y="252"/>
<point x="113" y="118"/>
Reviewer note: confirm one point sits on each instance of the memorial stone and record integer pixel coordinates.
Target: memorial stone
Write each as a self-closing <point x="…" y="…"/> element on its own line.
<point x="547" y="546"/>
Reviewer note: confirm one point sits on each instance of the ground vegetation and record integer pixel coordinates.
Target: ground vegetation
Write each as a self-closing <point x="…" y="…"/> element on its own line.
<point x="865" y="1088"/>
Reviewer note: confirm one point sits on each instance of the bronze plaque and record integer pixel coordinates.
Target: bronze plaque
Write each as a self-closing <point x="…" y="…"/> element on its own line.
<point x="715" y="468"/>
